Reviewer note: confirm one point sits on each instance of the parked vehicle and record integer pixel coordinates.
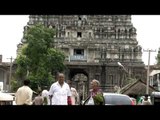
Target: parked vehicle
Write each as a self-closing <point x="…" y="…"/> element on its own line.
<point x="6" y="99"/>
<point x="155" y="98"/>
<point x="115" y="99"/>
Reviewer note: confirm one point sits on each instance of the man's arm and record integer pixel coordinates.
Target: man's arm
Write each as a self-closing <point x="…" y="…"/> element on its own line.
<point x="50" y="94"/>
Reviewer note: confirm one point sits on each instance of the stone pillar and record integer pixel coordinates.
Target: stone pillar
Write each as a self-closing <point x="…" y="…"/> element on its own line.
<point x="132" y="57"/>
<point x="90" y="78"/>
<point x="67" y="72"/>
<point x="129" y="71"/>
<point x="151" y="81"/>
<point x="5" y="81"/>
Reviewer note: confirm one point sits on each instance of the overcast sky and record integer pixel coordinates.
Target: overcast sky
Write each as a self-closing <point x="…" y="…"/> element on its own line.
<point x="11" y="32"/>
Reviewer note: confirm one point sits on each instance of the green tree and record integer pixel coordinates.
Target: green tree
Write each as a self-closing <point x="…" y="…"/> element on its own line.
<point x="158" y="57"/>
<point x="39" y="59"/>
<point x="14" y="85"/>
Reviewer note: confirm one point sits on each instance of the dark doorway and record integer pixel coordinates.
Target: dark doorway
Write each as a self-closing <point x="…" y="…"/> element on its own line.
<point x="80" y="81"/>
<point x="79" y="34"/>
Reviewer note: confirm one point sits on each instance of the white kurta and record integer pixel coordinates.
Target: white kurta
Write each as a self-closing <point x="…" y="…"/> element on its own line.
<point x="24" y="95"/>
<point x="59" y="93"/>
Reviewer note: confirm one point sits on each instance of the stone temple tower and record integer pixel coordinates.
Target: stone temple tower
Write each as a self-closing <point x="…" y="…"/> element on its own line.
<point x="94" y="45"/>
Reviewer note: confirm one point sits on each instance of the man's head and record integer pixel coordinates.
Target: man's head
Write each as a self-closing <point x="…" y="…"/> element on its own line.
<point x="26" y="82"/>
<point x="61" y="78"/>
<point x="69" y="82"/>
<point x="146" y="96"/>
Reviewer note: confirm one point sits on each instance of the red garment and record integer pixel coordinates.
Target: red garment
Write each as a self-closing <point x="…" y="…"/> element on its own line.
<point x="69" y="100"/>
<point x="95" y="91"/>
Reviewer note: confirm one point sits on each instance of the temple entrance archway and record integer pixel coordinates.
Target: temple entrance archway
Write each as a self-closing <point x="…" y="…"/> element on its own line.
<point x="81" y="75"/>
<point x="80" y="81"/>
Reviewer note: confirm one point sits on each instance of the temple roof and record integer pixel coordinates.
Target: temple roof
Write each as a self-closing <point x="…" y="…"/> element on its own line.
<point x="137" y="87"/>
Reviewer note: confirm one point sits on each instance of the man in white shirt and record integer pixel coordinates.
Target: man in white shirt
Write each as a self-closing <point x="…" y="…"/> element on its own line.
<point x="60" y="92"/>
<point x="24" y="94"/>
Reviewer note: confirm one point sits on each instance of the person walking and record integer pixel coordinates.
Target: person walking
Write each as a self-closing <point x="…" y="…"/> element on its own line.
<point x="24" y="94"/>
<point x="74" y="96"/>
<point x="38" y="100"/>
<point x="96" y="95"/>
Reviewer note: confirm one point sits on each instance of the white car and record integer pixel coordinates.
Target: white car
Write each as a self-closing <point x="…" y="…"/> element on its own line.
<point x="6" y="99"/>
<point x="115" y="99"/>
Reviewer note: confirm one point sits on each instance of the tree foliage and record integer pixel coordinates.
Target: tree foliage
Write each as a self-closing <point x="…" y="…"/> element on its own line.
<point x="158" y="57"/>
<point x="39" y="59"/>
<point x="15" y="85"/>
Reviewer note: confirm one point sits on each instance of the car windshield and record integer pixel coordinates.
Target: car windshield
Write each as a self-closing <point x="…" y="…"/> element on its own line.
<point x="117" y="100"/>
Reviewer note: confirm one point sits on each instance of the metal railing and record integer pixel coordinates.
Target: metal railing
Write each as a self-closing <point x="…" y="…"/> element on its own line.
<point x="78" y="57"/>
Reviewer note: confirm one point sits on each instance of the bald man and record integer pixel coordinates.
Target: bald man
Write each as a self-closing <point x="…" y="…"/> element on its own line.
<point x="60" y="93"/>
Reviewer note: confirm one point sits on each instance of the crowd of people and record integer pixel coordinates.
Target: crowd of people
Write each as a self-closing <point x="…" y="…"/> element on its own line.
<point x="61" y="92"/>
<point x="144" y="100"/>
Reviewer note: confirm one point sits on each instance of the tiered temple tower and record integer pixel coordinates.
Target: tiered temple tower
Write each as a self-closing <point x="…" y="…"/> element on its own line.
<point x="94" y="44"/>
